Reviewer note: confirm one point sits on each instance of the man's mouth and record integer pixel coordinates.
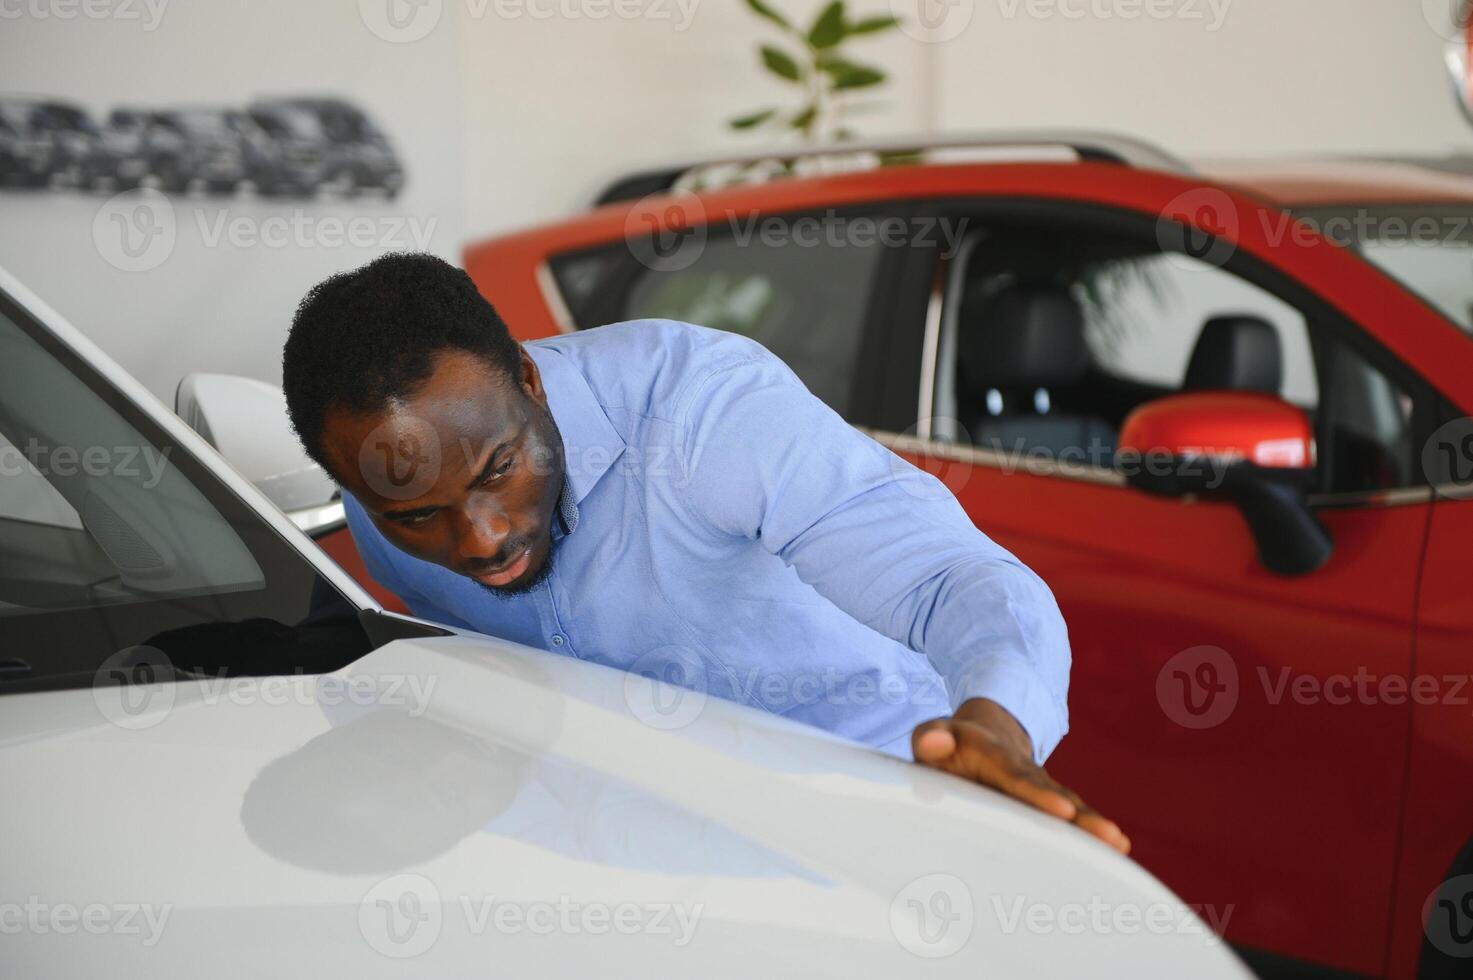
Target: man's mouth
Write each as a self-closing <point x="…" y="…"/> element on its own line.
<point x="506" y="574"/>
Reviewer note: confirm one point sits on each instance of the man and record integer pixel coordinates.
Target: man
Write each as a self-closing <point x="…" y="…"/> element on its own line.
<point x="668" y="499"/>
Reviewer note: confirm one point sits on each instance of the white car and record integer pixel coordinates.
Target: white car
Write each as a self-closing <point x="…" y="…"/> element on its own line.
<point x="222" y="759"/>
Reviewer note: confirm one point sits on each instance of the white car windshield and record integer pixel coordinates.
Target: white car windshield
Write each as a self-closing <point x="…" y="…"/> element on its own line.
<point x="115" y="538"/>
<point x="1427" y="248"/>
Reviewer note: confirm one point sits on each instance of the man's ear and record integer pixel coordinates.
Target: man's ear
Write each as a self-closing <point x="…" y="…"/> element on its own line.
<point x="531" y="379"/>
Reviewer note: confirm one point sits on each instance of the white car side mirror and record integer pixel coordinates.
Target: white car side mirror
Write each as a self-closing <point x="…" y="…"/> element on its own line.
<point x="246" y="421"/>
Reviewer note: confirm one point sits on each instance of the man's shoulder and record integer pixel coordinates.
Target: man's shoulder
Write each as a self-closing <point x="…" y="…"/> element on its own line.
<point x="653" y="367"/>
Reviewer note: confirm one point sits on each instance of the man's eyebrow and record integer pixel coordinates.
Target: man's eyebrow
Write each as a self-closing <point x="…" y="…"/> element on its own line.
<point x="481" y="474"/>
<point x="485" y="469"/>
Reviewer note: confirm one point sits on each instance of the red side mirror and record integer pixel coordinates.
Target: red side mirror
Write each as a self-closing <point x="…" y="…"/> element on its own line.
<point x="1259" y="453"/>
<point x="1231" y="426"/>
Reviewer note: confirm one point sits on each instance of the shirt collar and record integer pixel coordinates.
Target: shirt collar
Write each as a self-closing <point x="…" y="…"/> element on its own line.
<point x="590" y="442"/>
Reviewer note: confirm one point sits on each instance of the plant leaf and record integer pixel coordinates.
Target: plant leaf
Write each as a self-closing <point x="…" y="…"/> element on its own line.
<point x="780" y="63"/>
<point x="856" y="76"/>
<point x="763" y="10"/>
<point x="850" y="74"/>
<point x="805" y="118"/>
<point x="752" y="119"/>
<point x="835" y="65"/>
<point x="828" y="27"/>
<point x="871" y="25"/>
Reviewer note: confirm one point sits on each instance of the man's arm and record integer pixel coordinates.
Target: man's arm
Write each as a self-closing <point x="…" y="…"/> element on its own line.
<point x="890" y="545"/>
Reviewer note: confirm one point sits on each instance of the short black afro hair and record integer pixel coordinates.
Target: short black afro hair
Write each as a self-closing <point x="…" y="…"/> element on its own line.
<point x="360" y="339"/>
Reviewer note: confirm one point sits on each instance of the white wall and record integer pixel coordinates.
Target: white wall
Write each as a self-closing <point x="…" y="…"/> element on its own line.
<point x="1219" y="77"/>
<point x="210" y="303"/>
<point x="553" y="106"/>
<point x="507" y="117"/>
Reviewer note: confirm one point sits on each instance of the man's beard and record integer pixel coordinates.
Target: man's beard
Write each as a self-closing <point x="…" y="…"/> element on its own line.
<point x="511" y="592"/>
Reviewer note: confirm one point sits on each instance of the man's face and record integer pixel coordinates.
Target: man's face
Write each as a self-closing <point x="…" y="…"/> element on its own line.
<point x="465" y="473"/>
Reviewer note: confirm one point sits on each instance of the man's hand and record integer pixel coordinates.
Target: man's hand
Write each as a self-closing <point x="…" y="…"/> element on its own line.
<point x="985" y="744"/>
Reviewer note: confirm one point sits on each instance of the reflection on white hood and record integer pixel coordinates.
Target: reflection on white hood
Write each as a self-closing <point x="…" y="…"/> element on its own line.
<point x="462" y="807"/>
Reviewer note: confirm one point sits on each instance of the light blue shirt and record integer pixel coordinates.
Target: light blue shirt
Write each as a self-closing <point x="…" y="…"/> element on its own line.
<point x="723" y="529"/>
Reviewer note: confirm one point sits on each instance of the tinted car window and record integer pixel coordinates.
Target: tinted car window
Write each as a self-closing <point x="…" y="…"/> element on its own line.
<point x="806" y="302"/>
<point x="1144" y="317"/>
<point x="113" y="537"/>
<point x="1054" y="332"/>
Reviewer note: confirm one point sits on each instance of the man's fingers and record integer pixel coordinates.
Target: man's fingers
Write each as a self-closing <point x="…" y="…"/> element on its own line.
<point x="972" y="753"/>
<point x="933" y="742"/>
<point x="967" y="752"/>
<point x="1105" y="829"/>
<point x="1049" y="799"/>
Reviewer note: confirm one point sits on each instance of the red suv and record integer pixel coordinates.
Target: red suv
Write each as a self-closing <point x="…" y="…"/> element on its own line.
<point x="1271" y="666"/>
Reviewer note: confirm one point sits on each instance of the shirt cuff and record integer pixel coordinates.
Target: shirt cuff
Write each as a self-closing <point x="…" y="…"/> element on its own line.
<point x="1019" y="689"/>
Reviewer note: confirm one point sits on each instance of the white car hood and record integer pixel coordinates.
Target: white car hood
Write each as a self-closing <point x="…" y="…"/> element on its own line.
<point x="463" y="807"/>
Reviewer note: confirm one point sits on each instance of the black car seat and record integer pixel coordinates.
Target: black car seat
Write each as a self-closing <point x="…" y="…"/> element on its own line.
<point x="1019" y="347"/>
<point x="1236" y="353"/>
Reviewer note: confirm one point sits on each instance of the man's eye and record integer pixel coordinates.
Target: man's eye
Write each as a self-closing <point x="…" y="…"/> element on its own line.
<point x="419" y="520"/>
<point x="502" y="468"/>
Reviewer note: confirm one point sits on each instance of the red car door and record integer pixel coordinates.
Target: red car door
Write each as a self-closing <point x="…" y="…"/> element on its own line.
<point x="1243" y="726"/>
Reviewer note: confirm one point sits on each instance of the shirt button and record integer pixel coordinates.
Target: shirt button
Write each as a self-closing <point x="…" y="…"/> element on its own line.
<point x="557" y="639"/>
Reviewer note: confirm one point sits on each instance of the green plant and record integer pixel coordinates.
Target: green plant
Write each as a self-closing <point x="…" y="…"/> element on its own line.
<point x="821" y="69"/>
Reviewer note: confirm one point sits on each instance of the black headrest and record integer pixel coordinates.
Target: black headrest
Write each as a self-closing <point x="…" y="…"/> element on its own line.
<point x="1022" y="336"/>
<point x="1241" y="353"/>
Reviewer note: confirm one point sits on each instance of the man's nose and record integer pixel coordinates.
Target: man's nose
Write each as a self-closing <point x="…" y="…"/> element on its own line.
<point x="481" y="529"/>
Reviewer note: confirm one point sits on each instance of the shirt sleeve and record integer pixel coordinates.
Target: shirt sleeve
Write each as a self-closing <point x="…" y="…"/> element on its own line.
<point x="881" y="539"/>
